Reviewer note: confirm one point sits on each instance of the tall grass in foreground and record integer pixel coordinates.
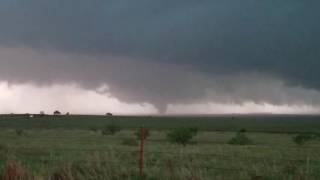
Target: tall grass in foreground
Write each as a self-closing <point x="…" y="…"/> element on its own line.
<point x="180" y="166"/>
<point x="84" y="154"/>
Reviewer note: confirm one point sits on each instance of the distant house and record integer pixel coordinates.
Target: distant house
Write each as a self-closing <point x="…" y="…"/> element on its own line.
<point x="42" y="114"/>
<point x="109" y="114"/>
<point x="56" y="113"/>
<point x="29" y="115"/>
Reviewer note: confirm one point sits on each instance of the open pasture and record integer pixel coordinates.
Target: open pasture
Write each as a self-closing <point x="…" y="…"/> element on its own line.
<point x="72" y="147"/>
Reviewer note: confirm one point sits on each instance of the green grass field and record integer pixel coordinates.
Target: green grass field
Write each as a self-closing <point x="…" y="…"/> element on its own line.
<point x="68" y="147"/>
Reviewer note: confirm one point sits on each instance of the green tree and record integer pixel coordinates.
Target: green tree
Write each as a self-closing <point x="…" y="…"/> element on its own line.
<point x="241" y="138"/>
<point x="302" y="139"/>
<point x="110" y="129"/>
<point x="182" y="135"/>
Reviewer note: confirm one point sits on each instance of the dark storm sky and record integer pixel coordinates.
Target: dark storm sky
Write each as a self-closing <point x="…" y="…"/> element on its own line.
<point x="167" y="51"/>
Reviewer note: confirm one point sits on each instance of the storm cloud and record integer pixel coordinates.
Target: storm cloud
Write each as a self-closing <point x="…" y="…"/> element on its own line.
<point x="167" y="52"/>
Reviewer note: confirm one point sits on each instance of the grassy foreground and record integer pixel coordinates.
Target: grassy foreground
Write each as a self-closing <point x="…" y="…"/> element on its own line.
<point x="72" y="148"/>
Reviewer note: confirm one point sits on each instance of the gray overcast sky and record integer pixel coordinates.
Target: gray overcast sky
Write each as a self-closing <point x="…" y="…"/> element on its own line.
<point x="166" y="52"/>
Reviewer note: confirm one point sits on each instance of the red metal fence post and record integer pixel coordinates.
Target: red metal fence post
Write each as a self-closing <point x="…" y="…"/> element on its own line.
<point x="141" y="154"/>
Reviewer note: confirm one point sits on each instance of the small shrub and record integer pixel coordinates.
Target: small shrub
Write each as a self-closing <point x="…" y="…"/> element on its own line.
<point x="19" y="132"/>
<point x="240" y="139"/>
<point x="302" y="139"/>
<point x="94" y="129"/>
<point x="243" y="130"/>
<point x="110" y="129"/>
<point x="138" y="134"/>
<point x="194" y="130"/>
<point x="129" y="142"/>
<point x="182" y="135"/>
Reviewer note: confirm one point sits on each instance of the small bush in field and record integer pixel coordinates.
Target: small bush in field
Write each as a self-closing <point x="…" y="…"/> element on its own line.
<point x="138" y="133"/>
<point x="94" y="129"/>
<point x="19" y="132"/>
<point x="194" y="130"/>
<point x="240" y="139"/>
<point x="182" y="135"/>
<point x="129" y="142"/>
<point x="302" y="139"/>
<point x="110" y="129"/>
